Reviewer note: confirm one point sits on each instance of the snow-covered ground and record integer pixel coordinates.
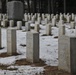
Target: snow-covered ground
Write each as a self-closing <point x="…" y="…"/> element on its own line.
<point x="48" y="51"/>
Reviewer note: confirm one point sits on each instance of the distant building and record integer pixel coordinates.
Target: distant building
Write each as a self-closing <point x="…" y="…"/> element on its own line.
<point x="44" y="6"/>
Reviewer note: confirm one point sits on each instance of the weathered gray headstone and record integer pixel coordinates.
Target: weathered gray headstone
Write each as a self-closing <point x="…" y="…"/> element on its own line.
<point x="15" y="10"/>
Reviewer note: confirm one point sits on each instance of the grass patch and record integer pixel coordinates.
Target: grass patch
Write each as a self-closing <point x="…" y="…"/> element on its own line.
<point x="25" y="62"/>
<point x="23" y="45"/>
<point x="11" y="69"/>
<point x="47" y="35"/>
<point x="3" y="67"/>
<point x="53" y="70"/>
<point x="6" y="55"/>
<point x="2" y="48"/>
<point x="56" y="37"/>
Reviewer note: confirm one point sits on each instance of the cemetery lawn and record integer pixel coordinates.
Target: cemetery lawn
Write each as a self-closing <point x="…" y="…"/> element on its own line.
<point x="17" y="64"/>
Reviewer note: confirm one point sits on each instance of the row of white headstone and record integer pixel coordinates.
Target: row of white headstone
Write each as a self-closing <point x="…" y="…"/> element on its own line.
<point x="46" y="17"/>
<point x="37" y="19"/>
<point x="64" y="16"/>
<point x="66" y="47"/>
<point x="27" y="26"/>
<point x="65" y="44"/>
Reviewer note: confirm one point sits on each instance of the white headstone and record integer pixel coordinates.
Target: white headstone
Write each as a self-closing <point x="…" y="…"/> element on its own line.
<point x="72" y="25"/>
<point x="26" y="17"/>
<point x="73" y="16"/>
<point x="48" y="29"/>
<point x="27" y="26"/>
<point x="19" y="25"/>
<point x="11" y="23"/>
<point x="11" y="41"/>
<point x="32" y="47"/>
<point x="37" y="27"/>
<point x="53" y="21"/>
